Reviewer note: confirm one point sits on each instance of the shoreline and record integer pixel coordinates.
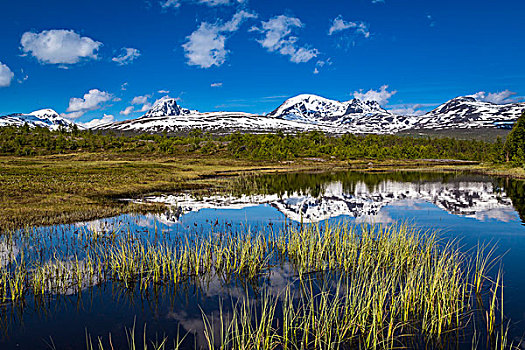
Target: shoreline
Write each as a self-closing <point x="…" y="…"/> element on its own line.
<point x="64" y="189"/>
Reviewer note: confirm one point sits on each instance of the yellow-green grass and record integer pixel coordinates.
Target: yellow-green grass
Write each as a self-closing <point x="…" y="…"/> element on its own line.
<point x="69" y="188"/>
<point x="63" y="189"/>
<point x="384" y="287"/>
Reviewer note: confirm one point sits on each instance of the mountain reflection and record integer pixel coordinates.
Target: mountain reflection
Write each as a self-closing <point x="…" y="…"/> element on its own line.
<point x="317" y="197"/>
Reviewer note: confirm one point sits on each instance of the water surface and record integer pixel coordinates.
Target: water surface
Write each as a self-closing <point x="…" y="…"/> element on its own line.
<point x="469" y="208"/>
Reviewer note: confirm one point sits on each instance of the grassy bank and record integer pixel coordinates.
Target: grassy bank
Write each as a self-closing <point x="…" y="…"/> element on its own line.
<point x="52" y="189"/>
<point x="75" y="187"/>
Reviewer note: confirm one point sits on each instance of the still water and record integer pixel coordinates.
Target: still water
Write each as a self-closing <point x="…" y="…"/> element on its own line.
<point x="470" y="209"/>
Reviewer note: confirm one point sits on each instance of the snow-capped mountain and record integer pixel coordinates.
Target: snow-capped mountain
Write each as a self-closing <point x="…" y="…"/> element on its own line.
<point x="166" y="107"/>
<point x="467" y="112"/>
<point x="310" y="112"/>
<point x="309" y="108"/>
<point x="317" y="109"/>
<point x="475" y="199"/>
<point x="300" y="113"/>
<point x="167" y="116"/>
<point x="45" y="118"/>
<point x="218" y="122"/>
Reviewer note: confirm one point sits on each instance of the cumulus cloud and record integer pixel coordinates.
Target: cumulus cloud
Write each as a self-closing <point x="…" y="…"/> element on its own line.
<point x="127" y="56"/>
<point x="216" y="85"/>
<point x="381" y="96"/>
<point x="411" y="109"/>
<point x="127" y="111"/>
<point x="163" y="91"/>
<point x="6" y="75"/>
<point x="59" y="46"/>
<point x="500" y="97"/>
<point x="339" y="24"/>
<point x="146" y="107"/>
<point x="206" y="46"/>
<point x="91" y="101"/>
<point x="277" y="38"/>
<point x="139" y="100"/>
<point x="96" y="122"/>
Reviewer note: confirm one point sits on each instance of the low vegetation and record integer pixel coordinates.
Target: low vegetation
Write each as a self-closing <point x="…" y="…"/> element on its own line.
<point x="40" y="141"/>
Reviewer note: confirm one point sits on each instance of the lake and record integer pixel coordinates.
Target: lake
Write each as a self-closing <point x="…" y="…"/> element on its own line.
<point x="469" y="210"/>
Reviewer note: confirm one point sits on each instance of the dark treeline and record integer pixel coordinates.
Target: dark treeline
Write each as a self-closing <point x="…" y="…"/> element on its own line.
<point x="25" y="141"/>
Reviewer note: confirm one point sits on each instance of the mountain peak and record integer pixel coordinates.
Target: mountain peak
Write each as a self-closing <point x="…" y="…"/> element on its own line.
<point x="45" y="113"/>
<point x="308" y="107"/>
<point x="166" y="106"/>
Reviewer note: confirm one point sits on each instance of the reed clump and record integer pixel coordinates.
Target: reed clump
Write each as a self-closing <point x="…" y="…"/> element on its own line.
<point x="372" y="287"/>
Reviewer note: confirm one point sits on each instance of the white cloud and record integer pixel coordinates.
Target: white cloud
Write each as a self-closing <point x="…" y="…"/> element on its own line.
<point x="127" y="111"/>
<point x="59" y="46"/>
<point x="206" y="46"/>
<point x="139" y="100"/>
<point x="124" y="86"/>
<point x="146" y="107"/>
<point x="411" y="109"/>
<point x="321" y="63"/>
<point x="6" y="75"/>
<point x="339" y="24"/>
<point x="170" y="4"/>
<point x="381" y="96"/>
<point x="218" y="2"/>
<point x="408" y="109"/>
<point x="277" y="38"/>
<point x="177" y="3"/>
<point x="216" y="85"/>
<point x="91" y="101"/>
<point x="500" y="97"/>
<point x="127" y="56"/>
<point x="163" y="91"/>
<point x="378" y="1"/>
<point x="96" y="122"/>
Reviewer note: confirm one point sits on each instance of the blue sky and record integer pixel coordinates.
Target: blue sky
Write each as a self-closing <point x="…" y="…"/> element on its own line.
<point x="88" y="59"/>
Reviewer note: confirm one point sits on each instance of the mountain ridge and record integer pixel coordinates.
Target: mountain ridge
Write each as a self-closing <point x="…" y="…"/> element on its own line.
<point x="303" y="112"/>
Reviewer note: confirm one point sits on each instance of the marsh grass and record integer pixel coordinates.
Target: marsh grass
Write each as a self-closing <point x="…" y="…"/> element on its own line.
<point x="367" y="287"/>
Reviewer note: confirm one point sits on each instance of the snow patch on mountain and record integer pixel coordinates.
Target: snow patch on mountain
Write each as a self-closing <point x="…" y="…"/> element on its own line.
<point x="45" y="118"/>
<point x="467" y="112"/>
